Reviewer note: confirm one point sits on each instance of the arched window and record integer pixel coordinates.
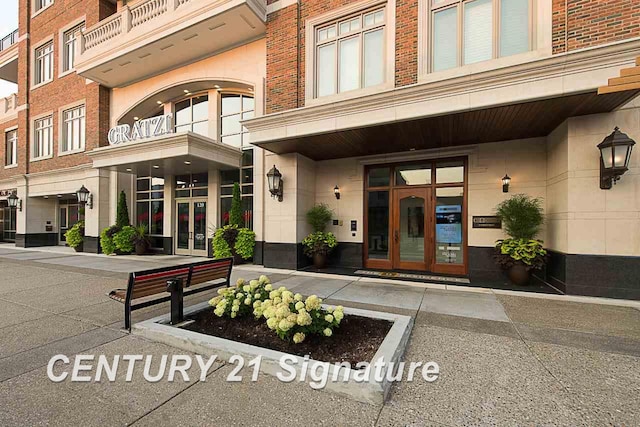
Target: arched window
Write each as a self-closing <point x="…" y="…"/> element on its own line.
<point x="192" y="114"/>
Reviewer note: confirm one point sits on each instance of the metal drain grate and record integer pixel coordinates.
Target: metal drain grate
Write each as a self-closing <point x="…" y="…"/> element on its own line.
<point x="424" y="277"/>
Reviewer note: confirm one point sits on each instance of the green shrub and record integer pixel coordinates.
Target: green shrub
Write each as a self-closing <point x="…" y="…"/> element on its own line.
<point x="319" y="243"/>
<point x="245" y="243"/>
<point x="106" y="239"/>
<point x="221" y="248"/>
<point x="530" y="253"/>
<point x="124" y="238"/>
<point x="141" y="236"/>
<point x="319" y="216"/>
<point x="122" y="212"/>
<point x="235" y="214"/>
<point x="75" y="235"/>
<point x="522" y="216"/>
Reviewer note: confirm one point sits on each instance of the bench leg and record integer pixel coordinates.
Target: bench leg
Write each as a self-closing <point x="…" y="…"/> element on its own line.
<point x="127" y="318"/>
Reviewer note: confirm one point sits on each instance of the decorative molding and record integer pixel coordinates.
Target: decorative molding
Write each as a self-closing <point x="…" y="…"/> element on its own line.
<point x="279" y="5"/>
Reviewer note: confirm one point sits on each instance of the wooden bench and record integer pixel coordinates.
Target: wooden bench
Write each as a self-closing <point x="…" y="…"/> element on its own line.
<point x="153" y="283"/>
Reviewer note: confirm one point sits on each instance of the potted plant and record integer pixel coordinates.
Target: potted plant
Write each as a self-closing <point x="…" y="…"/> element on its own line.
<point x="141" y="241"/>
<point x="522" y="217"/>
<point x="106" y="240"/>
<point x="75" y="236"/>
<point x="123" y="240"/>
<point x="319" y="244"/>
<point x="231" y="241"/>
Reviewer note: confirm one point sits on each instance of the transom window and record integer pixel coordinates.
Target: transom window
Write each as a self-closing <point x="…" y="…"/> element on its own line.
<point x="11" y="148"/>
<point x="350" y="53"/>
<point x="69" y="41"/>
<point x="44" y="63"/>
<point x="193" y="115"/>
<point x="469" y="31"/>
<point x="235" y="108"/>
<point x="43" y="137"/>
<point x="73" y="129"/>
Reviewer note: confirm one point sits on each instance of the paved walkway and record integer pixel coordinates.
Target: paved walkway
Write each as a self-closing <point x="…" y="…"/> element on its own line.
<point x="505" y="358"/>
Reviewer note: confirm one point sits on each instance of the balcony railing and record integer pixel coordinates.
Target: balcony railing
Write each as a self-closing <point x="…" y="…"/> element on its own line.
<point x="128" y="19"/>
<point x="9" y="40"/>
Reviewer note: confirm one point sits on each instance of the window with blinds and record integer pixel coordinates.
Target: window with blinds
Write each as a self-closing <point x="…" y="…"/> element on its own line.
<point x="470" y="31"/>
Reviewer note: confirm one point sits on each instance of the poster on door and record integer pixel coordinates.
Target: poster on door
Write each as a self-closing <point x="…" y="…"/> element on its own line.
<point x="449" y="234"/>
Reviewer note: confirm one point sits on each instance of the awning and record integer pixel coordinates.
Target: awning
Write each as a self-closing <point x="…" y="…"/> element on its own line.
<point x="171" y="154"/>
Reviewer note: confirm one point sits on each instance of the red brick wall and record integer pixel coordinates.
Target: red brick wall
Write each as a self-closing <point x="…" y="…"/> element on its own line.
<point x="586" y="23"/>
<point x="286" y="86"/>
<point x="61" y="91"/>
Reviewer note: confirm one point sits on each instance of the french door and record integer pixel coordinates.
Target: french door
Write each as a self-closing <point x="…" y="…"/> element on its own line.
<point x="191" y="227"/>
<point x="411" y="229"/>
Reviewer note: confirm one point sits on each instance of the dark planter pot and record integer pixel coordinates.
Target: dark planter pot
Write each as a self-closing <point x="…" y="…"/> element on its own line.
<point x="320" y="260"/>
<point x="141" y="248"/>
<point x="79" y="247"/>
<point x="519" y="275"/>
<point x="237" y="259"/>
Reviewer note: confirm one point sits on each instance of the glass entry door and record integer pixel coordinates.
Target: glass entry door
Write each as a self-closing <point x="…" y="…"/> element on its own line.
<point x="191" y="227"/>
<point x="69" y="215"/>
<point x="410" y="230"/>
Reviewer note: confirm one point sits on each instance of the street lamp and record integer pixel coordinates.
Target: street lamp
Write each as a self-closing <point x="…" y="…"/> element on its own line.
<point x="336" y="191"/>
<point x="274" y="178"/>
<point x="14" y="201"/>
<point x="615" y="153"/>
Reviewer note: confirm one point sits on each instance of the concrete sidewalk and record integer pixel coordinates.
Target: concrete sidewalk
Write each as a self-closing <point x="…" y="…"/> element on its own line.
<point x="505" y="358"/>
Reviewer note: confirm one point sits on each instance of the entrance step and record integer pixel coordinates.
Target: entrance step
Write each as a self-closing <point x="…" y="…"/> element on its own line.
<point x="413" y="276"/>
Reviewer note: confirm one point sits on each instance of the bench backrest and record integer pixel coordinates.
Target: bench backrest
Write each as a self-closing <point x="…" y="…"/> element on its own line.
<point x="150" y="282"/>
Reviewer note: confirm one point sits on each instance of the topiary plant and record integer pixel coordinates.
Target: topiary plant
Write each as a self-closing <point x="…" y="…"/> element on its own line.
<point x="124" y="239"/>
<point x="235" y="215"/>
<point x="245" y="243"/>
<point x="522" y="216"/>
<point x="122" y="213"/>
<point x="75" y="235"/>
<point x="106" y="239"/>
<point x="319" y="216"/>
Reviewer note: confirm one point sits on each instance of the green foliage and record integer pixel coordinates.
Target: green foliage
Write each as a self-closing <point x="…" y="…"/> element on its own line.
<point x="527" y="252"/>
<point x="245" y="243"/>
<point x="319" y="216"/>
<point x="141" y="235"/>
<point x="522" y="216"/>
<point x="319" y="243"/>
<point x="235" y="215"/>
<point x="75" y="235"/>
<point x="242" y="240"/>
<point x="123" y="239"/>
<point x="106" y="239"/>
<point x="122" y="213"/>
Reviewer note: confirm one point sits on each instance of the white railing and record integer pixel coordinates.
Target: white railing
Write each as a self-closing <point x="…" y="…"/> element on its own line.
<point x="8" y="105"/>
<point x="106" y="30"/>
<point x="147" y="11"/>
<point x="9" y="40"/>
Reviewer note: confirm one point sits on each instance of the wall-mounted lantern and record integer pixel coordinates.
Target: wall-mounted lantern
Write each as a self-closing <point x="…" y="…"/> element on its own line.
<point x="274" y="178"/>
<point x="14" y="201"/>
<point x="615" y="153"/>
<point x="336" y="192"/>
<point x="84" y="197"/>
<point x="506" y="180"/>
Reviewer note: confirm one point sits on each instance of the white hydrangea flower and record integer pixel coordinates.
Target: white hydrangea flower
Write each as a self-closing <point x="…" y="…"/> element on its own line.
<point x="299" y="305"/>
<point x="247" y="301"/>
<point x="246" y="288"/>
<point x="298" y="297"/>
<point x="298" y="337"/>
<point x="272" y="323"/>
<point x="264" y="280"/>
<point x="328" y="318"/>
<point x="268" y="287"/>
<point x="327" y="332"/>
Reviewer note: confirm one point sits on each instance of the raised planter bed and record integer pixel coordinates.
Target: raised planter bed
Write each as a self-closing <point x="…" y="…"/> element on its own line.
<point x="387" y="341"/>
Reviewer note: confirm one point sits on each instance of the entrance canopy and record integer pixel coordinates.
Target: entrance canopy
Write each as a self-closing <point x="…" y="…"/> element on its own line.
<point x="171" y="154"/>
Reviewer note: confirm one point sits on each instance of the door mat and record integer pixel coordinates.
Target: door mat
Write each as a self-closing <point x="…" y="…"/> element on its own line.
<point x="422" y="277"/>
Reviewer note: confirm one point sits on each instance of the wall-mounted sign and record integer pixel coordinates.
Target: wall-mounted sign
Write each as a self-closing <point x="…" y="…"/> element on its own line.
<point x="487" y="222"/>
<point x="142" y="129"/>
<point x="7" y="192"/>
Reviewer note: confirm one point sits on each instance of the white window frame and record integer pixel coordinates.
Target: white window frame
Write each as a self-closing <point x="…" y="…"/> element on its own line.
<point x="34" y="67"/>
<point x="62" y="134"/>
<point x="539" y="42"/>
<point x="244" y="133"/>
<point x="314" y="24"/>
<point x="40" y="6"/>
<point x="190" y="98"/>
<point x="14" y="147"/>
<point x="74" y="27"/>
<point x="34" y="137"/>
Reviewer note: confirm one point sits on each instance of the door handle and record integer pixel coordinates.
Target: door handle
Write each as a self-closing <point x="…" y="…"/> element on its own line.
<point x="191" y="235"/>
<point x="395" y="236"/>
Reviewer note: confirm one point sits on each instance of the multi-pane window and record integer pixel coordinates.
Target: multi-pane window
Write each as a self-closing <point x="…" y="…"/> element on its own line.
<point x="349" y="53"/>
<point x="69" y="42"/>
<point x="235" y="108"/>
<point x="43" y="137"/>
<point x="73" y="129"/>
<point x="470" y="31"/>
<point x="44" y="63"/>
<point x="150" y="207"/>
<point x="41" y="4"/>
<point x="243" y="176"/>
<point x="193" y="115"/>
<point x="11" y="148"/>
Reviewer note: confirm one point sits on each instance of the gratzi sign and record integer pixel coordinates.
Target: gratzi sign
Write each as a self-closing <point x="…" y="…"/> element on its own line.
<point x="141" y="129"/>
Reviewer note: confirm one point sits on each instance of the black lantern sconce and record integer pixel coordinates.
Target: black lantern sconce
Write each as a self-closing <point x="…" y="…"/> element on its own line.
<point x="615" y="153"/>
<point x="274" y="178"/>
<point x="14" y="201"/>
<point x="506" y="180"/>
<point x="85" y="197"/>
<point x="336" y="192"/>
